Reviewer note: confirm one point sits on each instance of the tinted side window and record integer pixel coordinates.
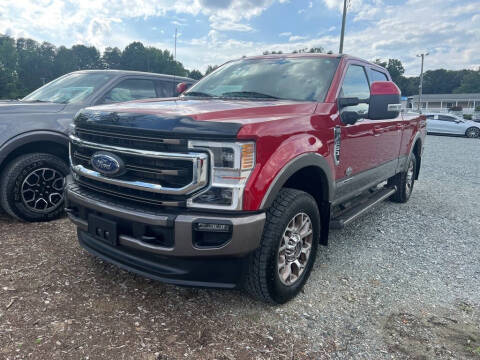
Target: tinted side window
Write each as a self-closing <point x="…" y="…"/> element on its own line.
<point x="355" y="84"/>
<point x="165" y="88"/>
<point x="446" y="118"/>
<point x="377" y="76"/>
<point x="131" y="89"/>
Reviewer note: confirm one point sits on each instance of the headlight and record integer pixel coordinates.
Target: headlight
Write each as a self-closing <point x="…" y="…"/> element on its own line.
<point x="231" y="166"/>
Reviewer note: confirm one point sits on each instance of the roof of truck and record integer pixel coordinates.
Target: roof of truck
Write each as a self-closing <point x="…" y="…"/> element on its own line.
<point x="322" y="55"/>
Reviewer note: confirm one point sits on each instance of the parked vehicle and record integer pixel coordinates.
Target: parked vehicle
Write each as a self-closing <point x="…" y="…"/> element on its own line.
<point x="33" y="139"/>
<point x="236" y="182"/>
<point x="453" y="125"/>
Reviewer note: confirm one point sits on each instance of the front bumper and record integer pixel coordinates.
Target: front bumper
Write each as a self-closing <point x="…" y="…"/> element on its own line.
<point x="180" y="260"/>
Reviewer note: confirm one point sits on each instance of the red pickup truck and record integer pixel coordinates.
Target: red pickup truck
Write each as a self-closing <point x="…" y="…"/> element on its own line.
<point x="237" y="181"/>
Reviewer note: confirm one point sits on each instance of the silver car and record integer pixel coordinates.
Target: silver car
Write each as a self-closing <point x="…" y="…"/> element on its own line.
<point x="453" y="125"/>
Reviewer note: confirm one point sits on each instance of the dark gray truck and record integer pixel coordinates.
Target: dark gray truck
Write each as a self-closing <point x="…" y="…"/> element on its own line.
<point x="34" y="133"/>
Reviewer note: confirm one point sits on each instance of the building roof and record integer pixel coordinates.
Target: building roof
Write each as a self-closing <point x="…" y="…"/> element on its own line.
<point x="447" y="97"/>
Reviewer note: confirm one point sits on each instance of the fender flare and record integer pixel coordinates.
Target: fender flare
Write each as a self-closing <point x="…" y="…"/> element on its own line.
<point x="294" y="165"/>
<point x="29" y="137"/>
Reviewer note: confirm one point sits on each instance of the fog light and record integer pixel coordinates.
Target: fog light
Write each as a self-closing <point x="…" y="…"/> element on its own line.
<point x="213" y="227"/>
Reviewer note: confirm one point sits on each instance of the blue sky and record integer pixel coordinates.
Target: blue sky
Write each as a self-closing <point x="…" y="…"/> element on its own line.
<point x="214" y="31"/>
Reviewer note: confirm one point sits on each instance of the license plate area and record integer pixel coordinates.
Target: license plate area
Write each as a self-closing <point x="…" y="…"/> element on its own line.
<point x="103" y="229"/>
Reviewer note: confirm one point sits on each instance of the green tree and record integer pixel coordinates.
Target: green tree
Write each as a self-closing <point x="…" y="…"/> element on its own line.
<point x="134" y="57"/>
<point x="35" y="64"/>
<point x="195" y="74"/>
<point x="470" y="83"/>
<point x="112" y="58"/>
<point x="86" y="57"/>
<point x="210" y="69"/>
<point x="64" y="61"/>
<point x="8" y="64"/>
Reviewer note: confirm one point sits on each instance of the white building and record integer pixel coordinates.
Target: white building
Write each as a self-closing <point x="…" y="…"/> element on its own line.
<point x="443" y="102"/>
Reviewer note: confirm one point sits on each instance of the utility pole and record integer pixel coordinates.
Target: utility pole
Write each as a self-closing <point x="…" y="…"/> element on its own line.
<point x="175" y="53"/>
<point x="420" y="87"/>
<point x="344" y="19"/>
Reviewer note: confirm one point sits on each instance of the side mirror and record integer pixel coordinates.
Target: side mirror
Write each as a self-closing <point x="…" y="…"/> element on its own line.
<point x="385" y="101"/>
<point x="351" y="101"/>
<point x="350" y="117"/>
<point x="182" y="87"/>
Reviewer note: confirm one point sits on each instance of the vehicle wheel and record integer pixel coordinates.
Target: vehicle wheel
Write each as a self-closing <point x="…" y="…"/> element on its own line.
<point x="31" y="187"/>
<point x="404" y="182"/>
<point x="472" y="132"/>
<point x="279" y="268"/>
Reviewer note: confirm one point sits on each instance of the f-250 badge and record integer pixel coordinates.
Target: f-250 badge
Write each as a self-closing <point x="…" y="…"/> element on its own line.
<point x="337" y="132"/>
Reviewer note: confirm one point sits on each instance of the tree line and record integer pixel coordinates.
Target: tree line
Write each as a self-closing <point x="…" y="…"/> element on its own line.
<point x="26" y="64"/>
<point x="439" y="81"/>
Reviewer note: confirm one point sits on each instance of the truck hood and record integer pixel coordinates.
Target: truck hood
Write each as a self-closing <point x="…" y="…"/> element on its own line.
<point x="21" y="107"/>
<point x="216" y="117"/>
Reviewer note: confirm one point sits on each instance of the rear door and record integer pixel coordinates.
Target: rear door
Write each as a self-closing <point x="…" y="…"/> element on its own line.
<point x="389" y="131"/>
<point x="448" y="124"/>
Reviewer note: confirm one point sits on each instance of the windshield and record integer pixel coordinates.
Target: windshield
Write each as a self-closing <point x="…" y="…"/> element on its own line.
<point x="300" y="79"/>
<point x="70" y="89"/>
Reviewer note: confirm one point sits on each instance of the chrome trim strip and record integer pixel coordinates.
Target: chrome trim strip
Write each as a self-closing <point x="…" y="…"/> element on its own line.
<point x="129" y="151"/>
<point x="199" y="163"/>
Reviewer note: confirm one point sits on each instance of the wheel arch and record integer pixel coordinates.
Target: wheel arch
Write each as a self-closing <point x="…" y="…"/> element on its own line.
<point x="50" y="142"/>
<point x="300" y="173"/>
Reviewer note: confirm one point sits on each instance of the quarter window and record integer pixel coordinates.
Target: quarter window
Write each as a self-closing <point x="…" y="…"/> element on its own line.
<point x="131" y="89"/>
<point x="376" y="75"/>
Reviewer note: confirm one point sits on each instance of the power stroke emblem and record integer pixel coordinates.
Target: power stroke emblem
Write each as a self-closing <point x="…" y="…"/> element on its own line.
<point x="337" y="132"/>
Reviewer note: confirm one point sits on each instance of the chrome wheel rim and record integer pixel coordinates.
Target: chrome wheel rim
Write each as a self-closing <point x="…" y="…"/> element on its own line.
<point x="473" y="133"/>
<point x="295" y="249"/>
<point x="42" y="190"/>
<point x="410" y="176"/>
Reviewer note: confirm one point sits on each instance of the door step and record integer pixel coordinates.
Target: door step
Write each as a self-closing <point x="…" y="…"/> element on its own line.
<point x="340" y="220"/>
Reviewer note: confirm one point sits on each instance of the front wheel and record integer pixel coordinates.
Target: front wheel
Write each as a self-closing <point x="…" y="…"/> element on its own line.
<point x="472" y="132"/>
<point x="279" y="268"/>
<point x="31" y="187"/>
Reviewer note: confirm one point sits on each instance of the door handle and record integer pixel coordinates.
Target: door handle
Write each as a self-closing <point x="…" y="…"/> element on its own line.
<point x="377" y="130"/>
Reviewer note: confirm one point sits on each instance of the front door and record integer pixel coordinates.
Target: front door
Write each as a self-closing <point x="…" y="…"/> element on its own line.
<point x="358" y="143"/>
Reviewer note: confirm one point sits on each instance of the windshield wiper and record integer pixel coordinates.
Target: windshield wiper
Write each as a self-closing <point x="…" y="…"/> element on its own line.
<point x="249" y="94"/>
<point x="197" y="93"/>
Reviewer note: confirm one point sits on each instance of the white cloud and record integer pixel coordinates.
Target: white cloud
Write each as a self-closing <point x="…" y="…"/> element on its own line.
<point x="375" y="28"/>
<point x="297" y="38"/>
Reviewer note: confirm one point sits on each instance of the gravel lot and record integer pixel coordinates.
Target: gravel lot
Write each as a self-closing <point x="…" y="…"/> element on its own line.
<point x="401" y="282"/>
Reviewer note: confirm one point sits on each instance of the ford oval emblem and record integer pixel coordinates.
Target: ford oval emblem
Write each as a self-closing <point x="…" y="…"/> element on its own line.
<point x="107" y="164"/>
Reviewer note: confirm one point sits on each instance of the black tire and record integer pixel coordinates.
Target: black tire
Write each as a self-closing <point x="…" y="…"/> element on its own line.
<point x="404" y="182"/>
<point x="472" y="132"/>
<point x="262" y="280"/>
<point x="15" y="180"/>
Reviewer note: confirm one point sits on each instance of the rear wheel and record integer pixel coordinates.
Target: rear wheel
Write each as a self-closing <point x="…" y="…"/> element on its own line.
<point x="278" y="269"/>
<point x="404" y="182"/>
<point x="31" y="187"/>
<point x="472" y="132"/>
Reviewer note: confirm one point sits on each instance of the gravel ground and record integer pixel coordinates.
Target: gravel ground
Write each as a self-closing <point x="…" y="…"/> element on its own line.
<point x="402" y="282"/>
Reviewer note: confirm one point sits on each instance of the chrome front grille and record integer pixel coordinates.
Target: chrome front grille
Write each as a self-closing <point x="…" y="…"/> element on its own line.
<point x="160" y="177"/>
